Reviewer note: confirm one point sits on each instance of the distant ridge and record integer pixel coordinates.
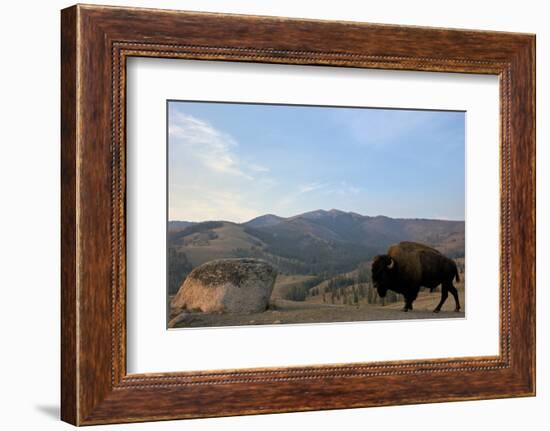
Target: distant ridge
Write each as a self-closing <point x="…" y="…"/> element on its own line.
<point x="264" y="221"/>
<point x="272" y="219"/>
<point x="314" y="242"/>
<point x="175" y="225"/>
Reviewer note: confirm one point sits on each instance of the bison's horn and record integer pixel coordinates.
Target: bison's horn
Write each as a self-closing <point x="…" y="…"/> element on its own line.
<point x="390" y="266"/>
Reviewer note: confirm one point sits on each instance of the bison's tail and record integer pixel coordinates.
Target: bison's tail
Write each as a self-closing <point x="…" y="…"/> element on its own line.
<point x="457" y="277"/>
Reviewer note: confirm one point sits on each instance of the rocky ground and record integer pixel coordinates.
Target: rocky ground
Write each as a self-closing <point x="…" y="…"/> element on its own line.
<point x="284" y="311"/>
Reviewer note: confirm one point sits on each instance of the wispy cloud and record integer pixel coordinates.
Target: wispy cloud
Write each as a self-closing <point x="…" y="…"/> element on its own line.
<point x="197" y="203"/>
<point x="343" y="188"/>
<point x="255" y="167"/>
<point x="310" y="187"/>
<point x="208" y="178"/>
<point x="340" y="188"/>
<point x="234" y="162"/>
<point x="213" y="148"/>
<point x="318" y="192"/>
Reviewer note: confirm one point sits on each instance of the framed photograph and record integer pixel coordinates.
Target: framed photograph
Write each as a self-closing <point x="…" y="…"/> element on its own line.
<point x="265" y="214"/>
<point x="254" y="214"/>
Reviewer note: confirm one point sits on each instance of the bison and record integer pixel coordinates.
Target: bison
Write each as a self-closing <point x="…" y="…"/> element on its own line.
<point x="407" y="266"/>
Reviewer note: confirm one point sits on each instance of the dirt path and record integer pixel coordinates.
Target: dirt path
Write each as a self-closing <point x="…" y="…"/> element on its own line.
<point x="284" y="311"/>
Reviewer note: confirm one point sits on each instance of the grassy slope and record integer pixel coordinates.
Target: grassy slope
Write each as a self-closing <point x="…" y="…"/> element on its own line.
<point x="230" y="237"/>
<point x="285" y="282"/>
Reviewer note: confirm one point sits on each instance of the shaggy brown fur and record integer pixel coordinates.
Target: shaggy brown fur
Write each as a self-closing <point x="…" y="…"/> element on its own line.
<point x="407" y="266"/>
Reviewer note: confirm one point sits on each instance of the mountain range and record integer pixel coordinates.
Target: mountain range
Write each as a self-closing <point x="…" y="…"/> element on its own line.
<point x="316" y="242"/>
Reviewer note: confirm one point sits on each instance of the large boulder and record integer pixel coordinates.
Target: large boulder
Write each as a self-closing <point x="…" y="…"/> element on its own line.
<point x="227" y="286"/>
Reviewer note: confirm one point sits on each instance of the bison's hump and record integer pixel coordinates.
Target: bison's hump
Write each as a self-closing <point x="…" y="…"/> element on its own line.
<point x="410" y="246"/>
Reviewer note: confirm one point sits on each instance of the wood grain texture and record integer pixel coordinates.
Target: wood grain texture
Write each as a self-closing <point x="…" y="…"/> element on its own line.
<point x="96" y="41"/>
<point x="68" y="218"/>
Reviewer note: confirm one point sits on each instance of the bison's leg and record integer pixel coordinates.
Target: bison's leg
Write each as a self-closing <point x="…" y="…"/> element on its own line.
<point x="454" y="292"/>
<point x="409" y="298"/>
<point x="444" y="295"/>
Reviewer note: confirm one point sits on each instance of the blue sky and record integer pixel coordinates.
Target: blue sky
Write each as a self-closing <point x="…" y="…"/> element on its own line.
<point x="238" y="161"/>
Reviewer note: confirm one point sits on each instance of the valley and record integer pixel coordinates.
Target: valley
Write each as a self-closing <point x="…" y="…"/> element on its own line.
<point x="323" y="262"/>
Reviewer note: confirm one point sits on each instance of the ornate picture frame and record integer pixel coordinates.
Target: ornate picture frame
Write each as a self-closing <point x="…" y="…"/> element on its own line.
<point x="96" y="41"/>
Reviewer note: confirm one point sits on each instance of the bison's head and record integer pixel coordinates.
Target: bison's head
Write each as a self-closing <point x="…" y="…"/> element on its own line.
<point x="383" y="268"/>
